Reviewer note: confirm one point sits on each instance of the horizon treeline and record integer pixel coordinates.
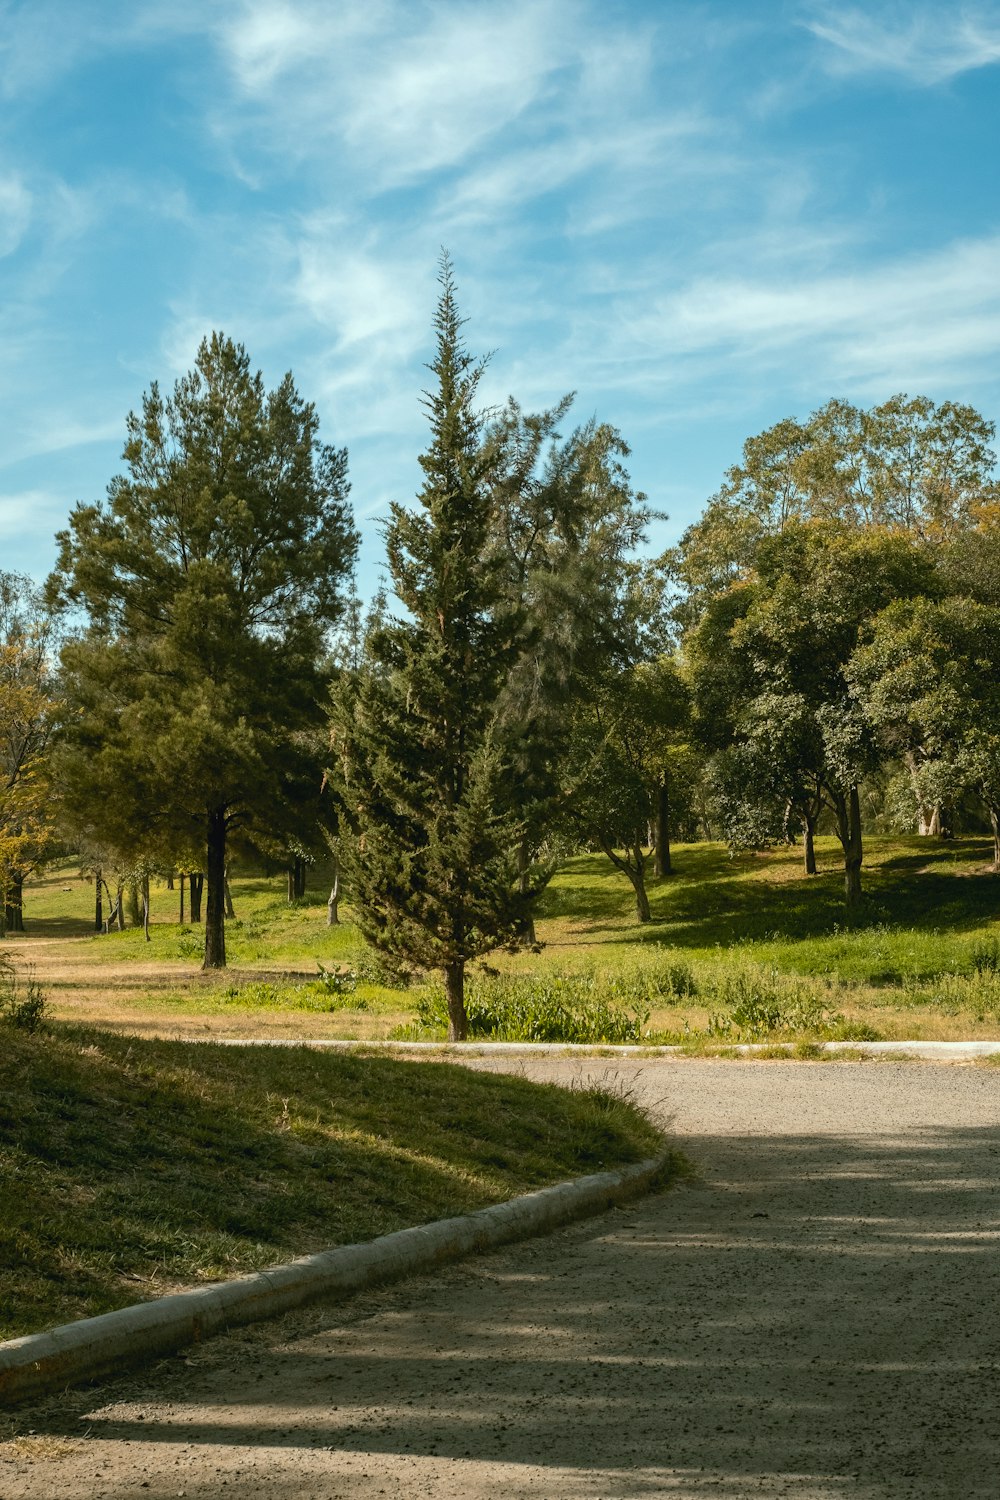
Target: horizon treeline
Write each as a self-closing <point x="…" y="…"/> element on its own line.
<point x="198" y="681"/>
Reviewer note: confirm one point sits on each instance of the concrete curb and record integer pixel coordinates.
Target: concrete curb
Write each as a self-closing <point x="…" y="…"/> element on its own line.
<point x="943" y="1050"/>
<point x="42" y="1363"/>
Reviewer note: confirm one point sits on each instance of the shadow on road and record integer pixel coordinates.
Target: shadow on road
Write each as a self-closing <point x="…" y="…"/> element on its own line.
<point x="817" y="1316"/>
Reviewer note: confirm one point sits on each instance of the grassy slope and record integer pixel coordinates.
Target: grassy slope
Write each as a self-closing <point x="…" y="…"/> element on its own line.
<point x="130" y="1167"/>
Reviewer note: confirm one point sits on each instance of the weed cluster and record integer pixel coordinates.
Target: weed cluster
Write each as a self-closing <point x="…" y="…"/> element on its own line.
<point x="554" y="1009"/>
<point x="261" y="994"/>
<point x="757" y="1003"/>
<point x="22" y="1002"/>
<point x="336" y="982"/>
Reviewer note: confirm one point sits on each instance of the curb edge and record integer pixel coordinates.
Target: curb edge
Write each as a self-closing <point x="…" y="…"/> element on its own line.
<point x="40" y="1364"/>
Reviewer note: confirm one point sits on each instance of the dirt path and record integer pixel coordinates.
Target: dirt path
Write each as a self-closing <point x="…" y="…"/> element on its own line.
<point x="816" y="1318"/>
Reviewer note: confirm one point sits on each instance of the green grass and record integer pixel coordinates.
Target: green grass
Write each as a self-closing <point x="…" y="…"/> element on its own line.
<point x="130" y="1167"/>
<point x="918" y="958"/>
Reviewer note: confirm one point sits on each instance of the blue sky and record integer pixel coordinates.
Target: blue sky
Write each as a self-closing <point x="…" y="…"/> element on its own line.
<point x="700" y="217"/>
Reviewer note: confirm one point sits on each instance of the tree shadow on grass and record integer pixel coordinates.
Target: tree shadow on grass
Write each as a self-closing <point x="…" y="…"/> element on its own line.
<point x="817" y="1327"/>
<point x="711" y="901"/>
<point x="126" y="1164"/>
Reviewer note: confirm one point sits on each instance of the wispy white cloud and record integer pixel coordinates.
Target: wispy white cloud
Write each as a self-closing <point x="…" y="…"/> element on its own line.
<point x="42" y="41"/>
<point x="926" y="43"/>
<point x="21" y="512"/>
<point x="15" y="212"/>
<point x="915" y="321"/>
<point x="408" y="89"/>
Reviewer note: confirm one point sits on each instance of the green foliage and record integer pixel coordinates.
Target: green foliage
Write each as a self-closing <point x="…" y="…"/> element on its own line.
<point x="569" y="1009"/>
<point x="423" y="765"/>
<point x="338" y="982"/>
<point x="372" y="967"/>
<point x="756" y="1003"/>
<point x="208" y="580"/>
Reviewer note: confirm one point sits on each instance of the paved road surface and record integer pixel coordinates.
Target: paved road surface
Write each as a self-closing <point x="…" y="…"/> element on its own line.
<point x="818" y="1317"/>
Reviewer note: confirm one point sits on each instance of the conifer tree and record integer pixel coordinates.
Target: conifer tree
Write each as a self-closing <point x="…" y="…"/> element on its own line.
<point x="207" y="582"/>
<point x="423" y="762"/>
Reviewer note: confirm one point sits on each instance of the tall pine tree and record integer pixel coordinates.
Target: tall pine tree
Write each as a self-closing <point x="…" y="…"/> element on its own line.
<point x="423" y="764"/>
<point x="206" y="584"/>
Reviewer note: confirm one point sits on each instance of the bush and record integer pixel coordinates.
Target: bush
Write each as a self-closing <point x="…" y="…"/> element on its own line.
<point x="22" y="1001"/>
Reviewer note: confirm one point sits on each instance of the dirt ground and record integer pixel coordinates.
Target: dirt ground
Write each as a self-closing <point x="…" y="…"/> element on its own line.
<point x="814" y="1317"/>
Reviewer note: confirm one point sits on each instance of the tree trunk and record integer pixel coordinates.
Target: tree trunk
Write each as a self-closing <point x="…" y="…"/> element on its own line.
<point x="808" y="844"/>
<point x="145" y="906"/>
<point x="848" y="812"/>
<point x="170" y="881"/>
<point x="180" y="882"/>
<point x="118" y="916"/>
<point x="527" y="935"/>
<point x="300" y="879"/>
<point x="215" y="911"/>
<point x="98" y="901"/>
<point x="196" y="883"/>
<point x="995" y="822"/>
<point x="14" y="904"/>
<point x="290" y="886"/>
<point x="230" y="913"/>
<point x="661" y="862"/>
<point x="454" y="989"/>
<point x="333" y="900"/>
<point x="637" y="877"/>
<point x="633" y="864"/>
<point x="134" y="915"/>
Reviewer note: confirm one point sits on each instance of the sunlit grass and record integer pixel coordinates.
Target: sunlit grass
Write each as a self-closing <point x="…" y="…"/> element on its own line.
<point x="914" y="960"/>
<point x="130" y="1167"/>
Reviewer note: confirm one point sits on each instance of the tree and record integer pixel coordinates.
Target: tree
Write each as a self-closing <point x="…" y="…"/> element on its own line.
<point x="207" y="581"/>
<point x="623" y="730"/>
<point x="28" y="711"/>
<point x="423" y="766"/>
<point x="906" y="464"/>
<point x="769" y="662"/>
<point x="574" y="606"/>
<point x="929" y="681"/>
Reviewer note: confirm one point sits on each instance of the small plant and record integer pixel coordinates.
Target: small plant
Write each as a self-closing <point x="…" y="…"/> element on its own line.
<point x="22" y="1001"/>
<point x="189" y="944"/>
<point x="985" y="956"/>
<point x="337" y="982"/>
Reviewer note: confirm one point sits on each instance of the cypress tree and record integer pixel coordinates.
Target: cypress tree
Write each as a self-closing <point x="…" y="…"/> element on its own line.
<point x="424" y="766"/>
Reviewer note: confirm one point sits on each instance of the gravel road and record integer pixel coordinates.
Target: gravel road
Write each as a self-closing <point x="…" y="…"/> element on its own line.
<point x="816" y="1316"/>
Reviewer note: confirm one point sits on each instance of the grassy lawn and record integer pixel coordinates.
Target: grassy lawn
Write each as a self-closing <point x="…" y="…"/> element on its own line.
<point x="129" y="1167"/>
<point x="921" y="959"/>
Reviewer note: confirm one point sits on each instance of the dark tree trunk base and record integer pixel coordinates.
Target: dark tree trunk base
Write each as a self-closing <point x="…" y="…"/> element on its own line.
<point x="454" y="989"/>
<point x="215" y="910"/>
